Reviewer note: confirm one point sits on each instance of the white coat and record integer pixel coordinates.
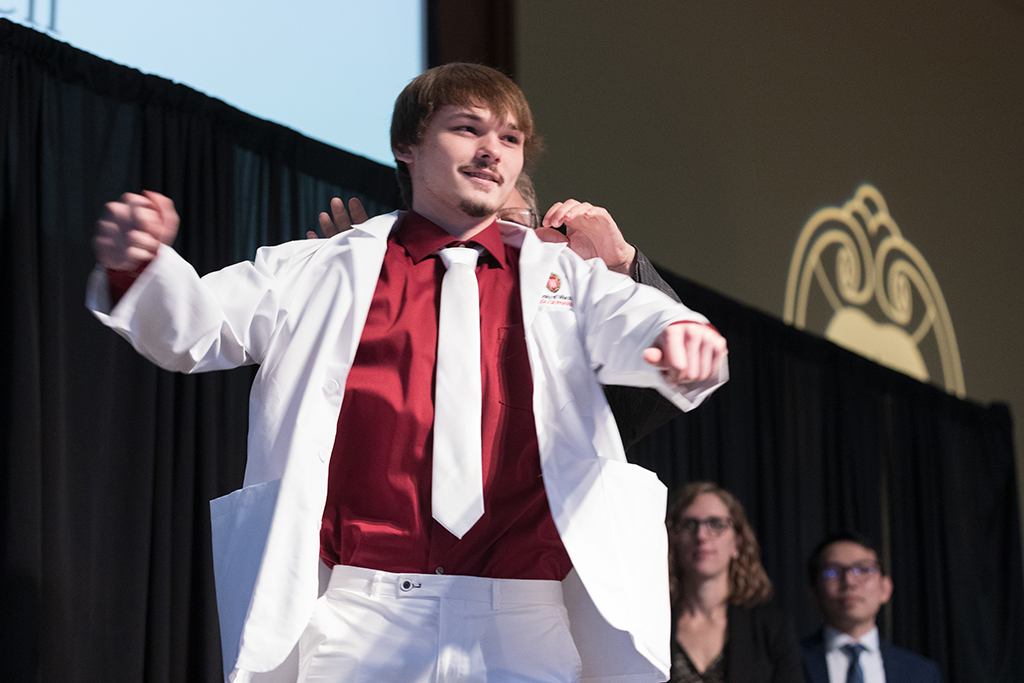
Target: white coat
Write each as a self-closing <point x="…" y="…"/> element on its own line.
<point x="298" y="311"/>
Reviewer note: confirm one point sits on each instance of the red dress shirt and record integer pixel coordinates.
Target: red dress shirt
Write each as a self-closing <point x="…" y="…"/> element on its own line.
<point x="378" y="511"/>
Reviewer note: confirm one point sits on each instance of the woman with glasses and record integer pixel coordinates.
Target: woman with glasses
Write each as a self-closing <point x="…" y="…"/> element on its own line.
<point x="724" y="626"/>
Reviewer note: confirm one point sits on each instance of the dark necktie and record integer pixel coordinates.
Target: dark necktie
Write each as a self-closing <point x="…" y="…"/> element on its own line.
<point x="854" y="674"/>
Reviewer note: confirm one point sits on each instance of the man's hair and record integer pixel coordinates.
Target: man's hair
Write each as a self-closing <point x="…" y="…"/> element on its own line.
<point x="749" y="584"/>
<point x="526" y="191"/>
<point x="467" y="85"/>
<point x="814" y="561"/>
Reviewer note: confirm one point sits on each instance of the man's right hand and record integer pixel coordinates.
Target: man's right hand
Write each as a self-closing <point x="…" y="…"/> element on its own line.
<point x="131" y="230"/>
<point x="591" y="232"/>
<point x="341" y="220"/>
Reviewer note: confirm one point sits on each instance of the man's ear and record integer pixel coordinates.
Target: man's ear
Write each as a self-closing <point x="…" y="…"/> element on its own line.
<point x="403" y="152"/>
<point x="886" y="588"/>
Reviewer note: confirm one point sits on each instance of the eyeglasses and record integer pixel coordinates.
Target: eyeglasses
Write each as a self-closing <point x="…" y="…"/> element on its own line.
<point x="690" y="526"/>
<point x="522" y="216"/>
<point x="853" y="572"/>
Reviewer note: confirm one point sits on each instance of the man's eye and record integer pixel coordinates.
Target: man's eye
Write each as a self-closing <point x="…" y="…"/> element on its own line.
<point x="513" y="139"/>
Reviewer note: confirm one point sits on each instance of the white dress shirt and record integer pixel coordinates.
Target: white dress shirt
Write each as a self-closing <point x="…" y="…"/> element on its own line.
<point x="839" y="663"/>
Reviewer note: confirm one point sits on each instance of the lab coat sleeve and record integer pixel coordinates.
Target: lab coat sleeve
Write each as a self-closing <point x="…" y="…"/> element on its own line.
<point x="619" y="319"/>
<point x="185" y="323"/>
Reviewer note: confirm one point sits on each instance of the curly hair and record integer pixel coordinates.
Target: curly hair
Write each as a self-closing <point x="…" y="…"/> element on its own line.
<point x="749" y="584"/>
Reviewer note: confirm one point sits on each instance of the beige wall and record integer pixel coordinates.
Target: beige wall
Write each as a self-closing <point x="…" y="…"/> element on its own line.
<point x="714" y="130"/>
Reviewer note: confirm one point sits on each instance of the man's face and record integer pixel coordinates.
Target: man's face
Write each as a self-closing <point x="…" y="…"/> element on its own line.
<point x="854" y="590"/>
<point x="465" y="165"/>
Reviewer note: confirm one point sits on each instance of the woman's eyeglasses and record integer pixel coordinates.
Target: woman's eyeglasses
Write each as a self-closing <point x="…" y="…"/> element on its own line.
<point x="690" y="526"/>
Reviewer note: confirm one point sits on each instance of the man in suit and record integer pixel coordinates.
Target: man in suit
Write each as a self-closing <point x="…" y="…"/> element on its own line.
<point x="333" y="562"/>
<point x="850" y="588"/>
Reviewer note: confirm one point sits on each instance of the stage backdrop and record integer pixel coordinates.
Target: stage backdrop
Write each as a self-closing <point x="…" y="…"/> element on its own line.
<point x="108" y="464"/>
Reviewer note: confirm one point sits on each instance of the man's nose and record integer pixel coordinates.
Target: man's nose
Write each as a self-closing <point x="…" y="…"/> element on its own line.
<point x="489" y="148"/>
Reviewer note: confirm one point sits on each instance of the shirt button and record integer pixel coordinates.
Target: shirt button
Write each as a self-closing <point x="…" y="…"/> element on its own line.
<point x="439" y="570"/>
<point x="322" y="454"/>
<point x="331" y="386"/>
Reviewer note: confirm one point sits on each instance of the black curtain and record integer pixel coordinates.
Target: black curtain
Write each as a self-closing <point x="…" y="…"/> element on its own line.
<point x="108" y="463"/>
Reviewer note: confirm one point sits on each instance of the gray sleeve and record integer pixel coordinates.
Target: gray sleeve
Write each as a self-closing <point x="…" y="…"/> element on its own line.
<point x="638" y="412"/>
<point x="646" y="274"/>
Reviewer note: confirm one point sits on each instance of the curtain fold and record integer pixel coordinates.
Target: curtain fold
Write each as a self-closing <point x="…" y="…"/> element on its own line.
<point x="108" y="464"/>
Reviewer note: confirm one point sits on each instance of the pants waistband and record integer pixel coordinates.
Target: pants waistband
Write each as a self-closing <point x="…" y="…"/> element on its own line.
<point x="374" y="582"/>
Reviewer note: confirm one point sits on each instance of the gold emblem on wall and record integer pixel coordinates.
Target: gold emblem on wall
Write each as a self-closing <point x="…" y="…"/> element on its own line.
<point x="855" y="280"/>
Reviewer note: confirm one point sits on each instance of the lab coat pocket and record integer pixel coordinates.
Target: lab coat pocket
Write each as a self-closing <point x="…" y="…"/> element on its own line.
<point x="636" y="498"/>
<point x="240" y="525"/>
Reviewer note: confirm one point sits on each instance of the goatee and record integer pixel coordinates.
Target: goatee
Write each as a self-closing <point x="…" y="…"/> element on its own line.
<point x="476" y="209"/>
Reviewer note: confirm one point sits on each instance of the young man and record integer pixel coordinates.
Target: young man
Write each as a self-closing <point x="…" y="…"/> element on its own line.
<point x="850" y="587"/>
<point x="352" y="413"/>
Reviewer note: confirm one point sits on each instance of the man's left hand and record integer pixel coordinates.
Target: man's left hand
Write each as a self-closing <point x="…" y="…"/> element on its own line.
<point x="687" y="352"/>
<point x="339" y="220"/>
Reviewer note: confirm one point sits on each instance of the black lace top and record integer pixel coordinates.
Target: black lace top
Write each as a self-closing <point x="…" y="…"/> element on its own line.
<point x="683" y="670"/>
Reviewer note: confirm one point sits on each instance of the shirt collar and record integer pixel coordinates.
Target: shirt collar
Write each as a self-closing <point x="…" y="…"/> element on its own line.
<point x="421" y="237"/>
<point x="836" y="639"/>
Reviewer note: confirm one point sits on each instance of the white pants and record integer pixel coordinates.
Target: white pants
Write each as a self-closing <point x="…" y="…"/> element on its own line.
<point x="376" y="627"/>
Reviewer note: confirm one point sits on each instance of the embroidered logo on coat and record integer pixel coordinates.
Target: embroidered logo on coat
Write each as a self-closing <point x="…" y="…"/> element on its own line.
<point x="554" y="285"/>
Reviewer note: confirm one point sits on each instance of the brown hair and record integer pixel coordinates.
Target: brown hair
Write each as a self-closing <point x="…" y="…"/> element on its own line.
<point x="472" y="85"/>
<point x="749" y="584"/>
<point x="525" y="186"/>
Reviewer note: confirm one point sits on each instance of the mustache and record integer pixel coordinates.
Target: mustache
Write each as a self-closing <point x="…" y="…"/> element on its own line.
<point x="490" y="169"/>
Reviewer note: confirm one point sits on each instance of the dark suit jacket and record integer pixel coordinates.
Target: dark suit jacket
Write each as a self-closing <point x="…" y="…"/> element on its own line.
<point x="901" y="666"/>
<point x="760" y="646"/>
<point x="638" y="412"/>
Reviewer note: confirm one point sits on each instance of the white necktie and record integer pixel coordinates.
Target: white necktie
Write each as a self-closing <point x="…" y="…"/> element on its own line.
<point x="457" y="491"/>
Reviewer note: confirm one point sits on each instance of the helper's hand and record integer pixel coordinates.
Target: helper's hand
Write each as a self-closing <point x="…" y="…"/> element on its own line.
<point x="341" y="220"/>
<point x="131" y="230"/>
<point x="591" y="232"/>
<point x="687" y="352"/>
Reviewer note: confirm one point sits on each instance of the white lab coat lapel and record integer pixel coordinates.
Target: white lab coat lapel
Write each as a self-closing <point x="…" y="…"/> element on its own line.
<point x="288" y="573"/>
<point x="536" y="260"/>
<point x="368" y="245"/>
<point x="609" y="513"/>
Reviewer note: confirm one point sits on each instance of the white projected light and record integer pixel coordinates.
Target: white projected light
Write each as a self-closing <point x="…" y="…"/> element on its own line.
<point x="330" y="69"/>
